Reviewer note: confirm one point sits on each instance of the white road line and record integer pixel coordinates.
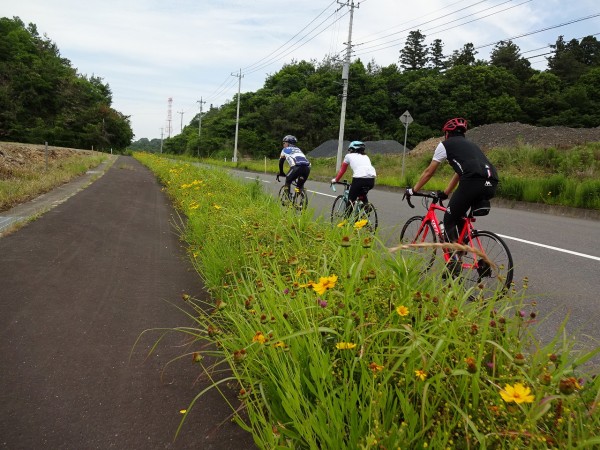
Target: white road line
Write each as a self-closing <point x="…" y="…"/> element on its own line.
<point x="583" y="255"/>
<point x="308" y="190"/>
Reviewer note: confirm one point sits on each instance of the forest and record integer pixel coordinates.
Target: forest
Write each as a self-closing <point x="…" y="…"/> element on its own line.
<point x="304" y="98"/>
<point x="43" y="98"/>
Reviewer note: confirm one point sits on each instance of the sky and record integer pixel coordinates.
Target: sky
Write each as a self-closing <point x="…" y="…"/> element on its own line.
<point x="193" y="51"/>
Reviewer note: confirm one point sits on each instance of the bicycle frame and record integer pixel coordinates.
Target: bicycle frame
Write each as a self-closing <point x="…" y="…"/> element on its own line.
<point x="466" y="231"/>
<point x="360" y="200"/>
<point x="360" y="209"/>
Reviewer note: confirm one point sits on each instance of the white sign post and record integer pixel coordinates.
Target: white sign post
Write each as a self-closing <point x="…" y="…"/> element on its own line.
<point x="406" y="119"/>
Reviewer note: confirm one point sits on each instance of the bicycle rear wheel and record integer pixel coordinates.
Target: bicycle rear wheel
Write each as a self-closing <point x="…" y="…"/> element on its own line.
<point x="300" y="200"/>
<point x="477" y="273"/>
<point x="415" y="231"/>
<point x="338" y="211"/>
<point x="369" y="213"/>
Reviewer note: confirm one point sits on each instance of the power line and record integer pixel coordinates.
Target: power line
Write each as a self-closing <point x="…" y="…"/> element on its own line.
<point x="247" y="68"/>
<point x="393" y="43"/>
<point x="423" y="23"/>
<point x="539" y="31"/>
<point x="299" y="44"/>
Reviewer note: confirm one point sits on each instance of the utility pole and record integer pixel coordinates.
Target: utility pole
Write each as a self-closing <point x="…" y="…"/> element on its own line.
<point x="345" y="73"/>
<point x="181" y="125"/>
<point x="170" y="105"/>
<point x="199" y="124"/>
<point x="237" y="118"/>
<point x="161" y="139"/>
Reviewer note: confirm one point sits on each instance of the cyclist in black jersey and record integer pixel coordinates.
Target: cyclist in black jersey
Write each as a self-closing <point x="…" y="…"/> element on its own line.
<point x="475" y="176"/>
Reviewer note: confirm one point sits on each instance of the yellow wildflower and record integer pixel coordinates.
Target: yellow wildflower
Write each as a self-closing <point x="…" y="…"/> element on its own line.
<point x="324" y="284"/>
<point x="360" y="224"/>
<point x="345" y="345"/>
<point x="375" y="367"/>
<point x="421" y="374"/>
<point x="517" y="393"/>
<point x="402" y="311"/>
<point x="259" y="337"/>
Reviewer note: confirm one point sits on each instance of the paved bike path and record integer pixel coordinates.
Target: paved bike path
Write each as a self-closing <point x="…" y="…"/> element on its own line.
<point x="77" y="287"/>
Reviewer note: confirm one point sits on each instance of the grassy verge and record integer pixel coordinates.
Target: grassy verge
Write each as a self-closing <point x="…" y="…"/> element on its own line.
<point x="336" y="343"/>
<point x="27" y="183"/>
<point x="550" y="176"/>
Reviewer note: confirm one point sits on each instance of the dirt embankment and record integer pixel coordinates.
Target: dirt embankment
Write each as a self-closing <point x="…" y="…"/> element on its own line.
<point x="16" y="156"/>
<point x="515" y="133"/>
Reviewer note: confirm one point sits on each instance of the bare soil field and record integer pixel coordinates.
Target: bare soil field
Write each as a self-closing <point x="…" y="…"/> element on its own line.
<point x="15" y="157"/>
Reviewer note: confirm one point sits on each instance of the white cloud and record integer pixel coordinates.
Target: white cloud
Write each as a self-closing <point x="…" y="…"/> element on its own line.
<point x="148" y="51"/>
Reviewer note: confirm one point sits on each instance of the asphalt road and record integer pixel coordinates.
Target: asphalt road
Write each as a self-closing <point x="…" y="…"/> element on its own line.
<point x="80" y="284"/>
<point x="77" y="288"/>
<point x="559" y="256"/>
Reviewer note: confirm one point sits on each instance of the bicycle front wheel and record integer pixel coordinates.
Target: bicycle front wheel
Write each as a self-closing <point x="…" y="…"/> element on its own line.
<point x="420" y="234"/>
<point x="338" y="211"/>
<point x="283" y="197"/>
<point x="487" y="279"/>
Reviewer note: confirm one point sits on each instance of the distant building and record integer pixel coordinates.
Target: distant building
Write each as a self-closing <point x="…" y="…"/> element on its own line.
<point x="329" y="148"/>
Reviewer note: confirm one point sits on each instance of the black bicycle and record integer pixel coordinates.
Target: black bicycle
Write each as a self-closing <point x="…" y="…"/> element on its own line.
<point x="296" y="197"/>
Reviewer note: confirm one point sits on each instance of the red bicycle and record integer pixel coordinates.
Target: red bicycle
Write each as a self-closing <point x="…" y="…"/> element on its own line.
<point x="486" y="264"/>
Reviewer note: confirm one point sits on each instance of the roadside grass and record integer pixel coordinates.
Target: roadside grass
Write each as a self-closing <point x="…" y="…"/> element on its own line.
<point x="336" y="343"/>
<point x="567" y="177"/>
<point x="27" y="183"/>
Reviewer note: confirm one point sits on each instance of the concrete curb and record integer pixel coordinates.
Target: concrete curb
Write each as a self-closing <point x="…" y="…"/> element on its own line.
<point x="25" y="212"/>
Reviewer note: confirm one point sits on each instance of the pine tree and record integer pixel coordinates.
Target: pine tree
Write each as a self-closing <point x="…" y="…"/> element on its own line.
<point x="414" y="54"/>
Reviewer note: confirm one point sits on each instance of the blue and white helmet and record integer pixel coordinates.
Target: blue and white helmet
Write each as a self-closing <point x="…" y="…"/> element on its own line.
<point x="356" y="147"/>
<point x="290" y="139"/>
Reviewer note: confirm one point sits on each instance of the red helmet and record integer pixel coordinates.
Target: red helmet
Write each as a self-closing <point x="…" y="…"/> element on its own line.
<point x="457" y="123"/>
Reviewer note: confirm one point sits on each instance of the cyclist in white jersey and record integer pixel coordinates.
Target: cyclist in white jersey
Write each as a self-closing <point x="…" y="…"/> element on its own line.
<point x="363" y="172"/>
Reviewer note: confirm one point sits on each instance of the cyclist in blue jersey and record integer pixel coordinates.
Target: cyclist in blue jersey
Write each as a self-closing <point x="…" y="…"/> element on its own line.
<point x="299" y="164"/>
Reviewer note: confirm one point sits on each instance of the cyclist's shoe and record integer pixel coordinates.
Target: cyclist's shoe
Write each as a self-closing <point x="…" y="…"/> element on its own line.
<point x="453" y="269"/>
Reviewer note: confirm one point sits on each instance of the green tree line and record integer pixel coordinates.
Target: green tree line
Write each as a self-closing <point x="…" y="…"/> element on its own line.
<point x="304" y="98"/>
<point x="44" y="99"/>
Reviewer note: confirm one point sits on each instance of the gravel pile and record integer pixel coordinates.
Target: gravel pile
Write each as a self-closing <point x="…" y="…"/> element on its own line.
<point x="486" y="136"/>
<point x="515" y="133"/>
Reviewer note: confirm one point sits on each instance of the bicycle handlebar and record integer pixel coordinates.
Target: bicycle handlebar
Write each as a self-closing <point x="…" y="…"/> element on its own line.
<point x="433" y="195"/>
<point x="343" y="182"/>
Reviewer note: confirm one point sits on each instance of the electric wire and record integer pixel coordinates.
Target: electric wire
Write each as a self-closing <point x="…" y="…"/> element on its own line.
<point x="248" y="68"/>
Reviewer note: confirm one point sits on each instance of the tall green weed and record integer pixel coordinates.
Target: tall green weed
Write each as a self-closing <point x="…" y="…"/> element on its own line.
<point x="336" y="343"/>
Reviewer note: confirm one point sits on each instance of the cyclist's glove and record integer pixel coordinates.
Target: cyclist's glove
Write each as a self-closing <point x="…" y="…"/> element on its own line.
<point x="442" y="195"/>
<point x="333" y="180"/>
<point x="409" y="192"/>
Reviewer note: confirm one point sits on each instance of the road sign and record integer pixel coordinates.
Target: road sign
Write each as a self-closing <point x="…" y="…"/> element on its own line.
<point x="406" y="118"/>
